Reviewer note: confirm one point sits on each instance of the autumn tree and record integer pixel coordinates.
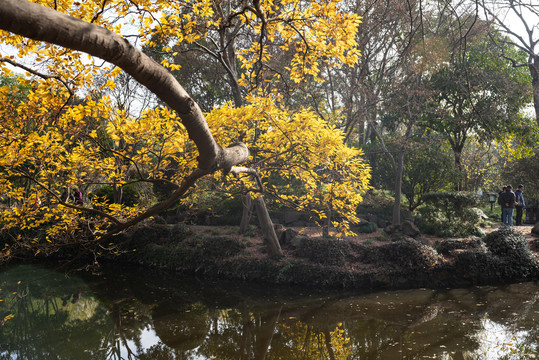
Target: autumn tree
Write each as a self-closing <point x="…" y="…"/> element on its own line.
<point x="172" y="144"/>
<point x="252" y="59"/>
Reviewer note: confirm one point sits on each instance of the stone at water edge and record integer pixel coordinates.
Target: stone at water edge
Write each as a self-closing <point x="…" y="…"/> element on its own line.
<point x="535" y="229"/>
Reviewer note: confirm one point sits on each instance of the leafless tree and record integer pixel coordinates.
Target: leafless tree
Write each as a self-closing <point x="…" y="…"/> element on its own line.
<point x="519" y="20"/>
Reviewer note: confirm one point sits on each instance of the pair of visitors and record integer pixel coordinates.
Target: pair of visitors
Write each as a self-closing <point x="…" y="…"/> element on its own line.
<point x="508" y="201"/>
<point x="75" y="197"/>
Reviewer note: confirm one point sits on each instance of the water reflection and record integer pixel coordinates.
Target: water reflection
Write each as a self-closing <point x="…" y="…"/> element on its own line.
<point x="132" y="314"/>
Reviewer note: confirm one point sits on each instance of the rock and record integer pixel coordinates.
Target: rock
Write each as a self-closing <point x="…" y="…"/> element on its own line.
<point x="291" y="217"/>
<point x="535" y="229"/>
<point x="279" y="230"/>
<point x="296" y="242"/>
<point x="482" y="214"/>
<point x="410" y="229"/>
<point x="391" y="229"/>
<point x="399" y="236"/>
<point x="287" y="236"/>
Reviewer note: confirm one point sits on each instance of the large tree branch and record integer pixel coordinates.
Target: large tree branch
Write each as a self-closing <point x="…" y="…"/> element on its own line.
<point x="45" y="24"/>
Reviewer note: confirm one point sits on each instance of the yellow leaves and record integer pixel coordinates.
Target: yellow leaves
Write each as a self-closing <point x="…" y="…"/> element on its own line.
<point x="89" y="142"/>
<point x="6" y="318"/>
<point x="303" y="150"/>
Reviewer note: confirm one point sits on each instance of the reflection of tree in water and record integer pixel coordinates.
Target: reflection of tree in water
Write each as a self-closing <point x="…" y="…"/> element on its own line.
<point x="182" y="331"/>
<point x="44" y="325"/>
<point x="138" y="317"/>
<point x="129" y="318"/>
<point x="302" y="341"/>
<point x="240" y="333"/>
<point x="56" y="317"/>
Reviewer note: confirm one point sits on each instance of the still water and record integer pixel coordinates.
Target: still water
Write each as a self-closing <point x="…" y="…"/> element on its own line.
<point x="132" y="314"/>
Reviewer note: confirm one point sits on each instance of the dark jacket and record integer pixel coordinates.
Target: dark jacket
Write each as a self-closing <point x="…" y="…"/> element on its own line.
<point x="508" y="199"/>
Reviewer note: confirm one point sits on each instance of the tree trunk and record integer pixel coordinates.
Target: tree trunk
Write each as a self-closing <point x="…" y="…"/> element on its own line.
<point x="267" y="227"/>
<point x="534" y="71"/>
<point x="247" y="207"/>
<point x="117" y="192"/>
<point x="398" y="189"/>
<point x="458" y="165"/>
<point x="264" y="333"/>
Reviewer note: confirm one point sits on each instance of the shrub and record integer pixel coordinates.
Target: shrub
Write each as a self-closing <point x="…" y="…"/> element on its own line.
<point x="367" y="227"/>
<point x="448" y="214"/>
<point x="324" y="251"/>
<point x="217" y="210"/>
<point x="507" y="242"/>
<point x="449" y="246"/>
<point x="406" y="253"/>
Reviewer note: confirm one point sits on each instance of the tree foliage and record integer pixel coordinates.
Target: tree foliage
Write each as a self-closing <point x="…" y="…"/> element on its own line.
<point x="297" y="148"/>
<point x="478" y="93"/>
<point x="66" y="132"/>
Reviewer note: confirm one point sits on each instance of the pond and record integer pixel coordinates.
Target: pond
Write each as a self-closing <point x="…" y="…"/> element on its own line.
<point x="127" y="313"/>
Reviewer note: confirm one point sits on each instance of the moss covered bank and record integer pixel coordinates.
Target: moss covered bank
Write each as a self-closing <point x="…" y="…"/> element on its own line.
<point x="378" y="262"/>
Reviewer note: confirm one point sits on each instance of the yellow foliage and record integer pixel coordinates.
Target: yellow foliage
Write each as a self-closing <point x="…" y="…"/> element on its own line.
<point x="307" y="342"/>
<point x="329" y="177"/>
<point x="53" y="137"/>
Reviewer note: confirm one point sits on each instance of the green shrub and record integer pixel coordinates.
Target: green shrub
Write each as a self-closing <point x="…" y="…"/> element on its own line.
<point x="507" y="242"/>
<point x="367" y="227"/>
<point x="447" y="214"/>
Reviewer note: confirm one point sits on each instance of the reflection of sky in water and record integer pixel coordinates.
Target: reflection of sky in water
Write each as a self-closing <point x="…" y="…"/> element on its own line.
<point x="148" y="338"/>
<point x="498" y="341"/>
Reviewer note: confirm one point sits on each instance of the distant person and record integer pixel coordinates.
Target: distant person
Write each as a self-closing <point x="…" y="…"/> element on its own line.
<point x="520" y="204"/>
<point x="77" y="195"/>
<point x="37" y="201"/>
<point x="500" y="201"/>
<point x="67" y="196"/>
<point x="509" y="202"/>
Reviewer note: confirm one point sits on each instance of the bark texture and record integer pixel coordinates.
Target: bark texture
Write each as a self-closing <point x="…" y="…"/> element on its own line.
<point x="267" y="227"/>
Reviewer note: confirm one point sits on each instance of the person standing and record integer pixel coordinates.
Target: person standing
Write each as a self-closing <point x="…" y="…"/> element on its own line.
<point x="77" y="195"/>
<point x="520" y="204"/>
<point x="508" y="205"/>
<point x="500" y="200"/>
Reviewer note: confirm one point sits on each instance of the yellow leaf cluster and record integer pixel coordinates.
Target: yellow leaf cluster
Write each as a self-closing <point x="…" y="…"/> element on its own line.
<point x="316" y="170"/>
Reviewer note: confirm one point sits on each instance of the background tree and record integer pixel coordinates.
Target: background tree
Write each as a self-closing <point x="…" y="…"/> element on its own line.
<point x="517" y="20"/>
<point x="427" y="169"/>
<point x="477" y="93"/>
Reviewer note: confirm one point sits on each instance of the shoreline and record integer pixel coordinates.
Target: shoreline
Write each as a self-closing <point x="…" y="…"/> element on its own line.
<point x="365" y="262"/>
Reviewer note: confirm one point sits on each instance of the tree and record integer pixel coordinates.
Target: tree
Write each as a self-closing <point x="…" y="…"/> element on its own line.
<point x="303" y="161"/>
<point x="160" y="140"/>
<point x="477" y="93"/>
<point x="282" y="53"/>
<point x="385" y="81"/>
<point x="429" y="168"/>
<point x="517" y="20"/>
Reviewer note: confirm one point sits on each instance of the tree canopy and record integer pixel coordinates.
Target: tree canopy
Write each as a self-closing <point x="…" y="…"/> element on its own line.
<point x="67" y="133"/>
